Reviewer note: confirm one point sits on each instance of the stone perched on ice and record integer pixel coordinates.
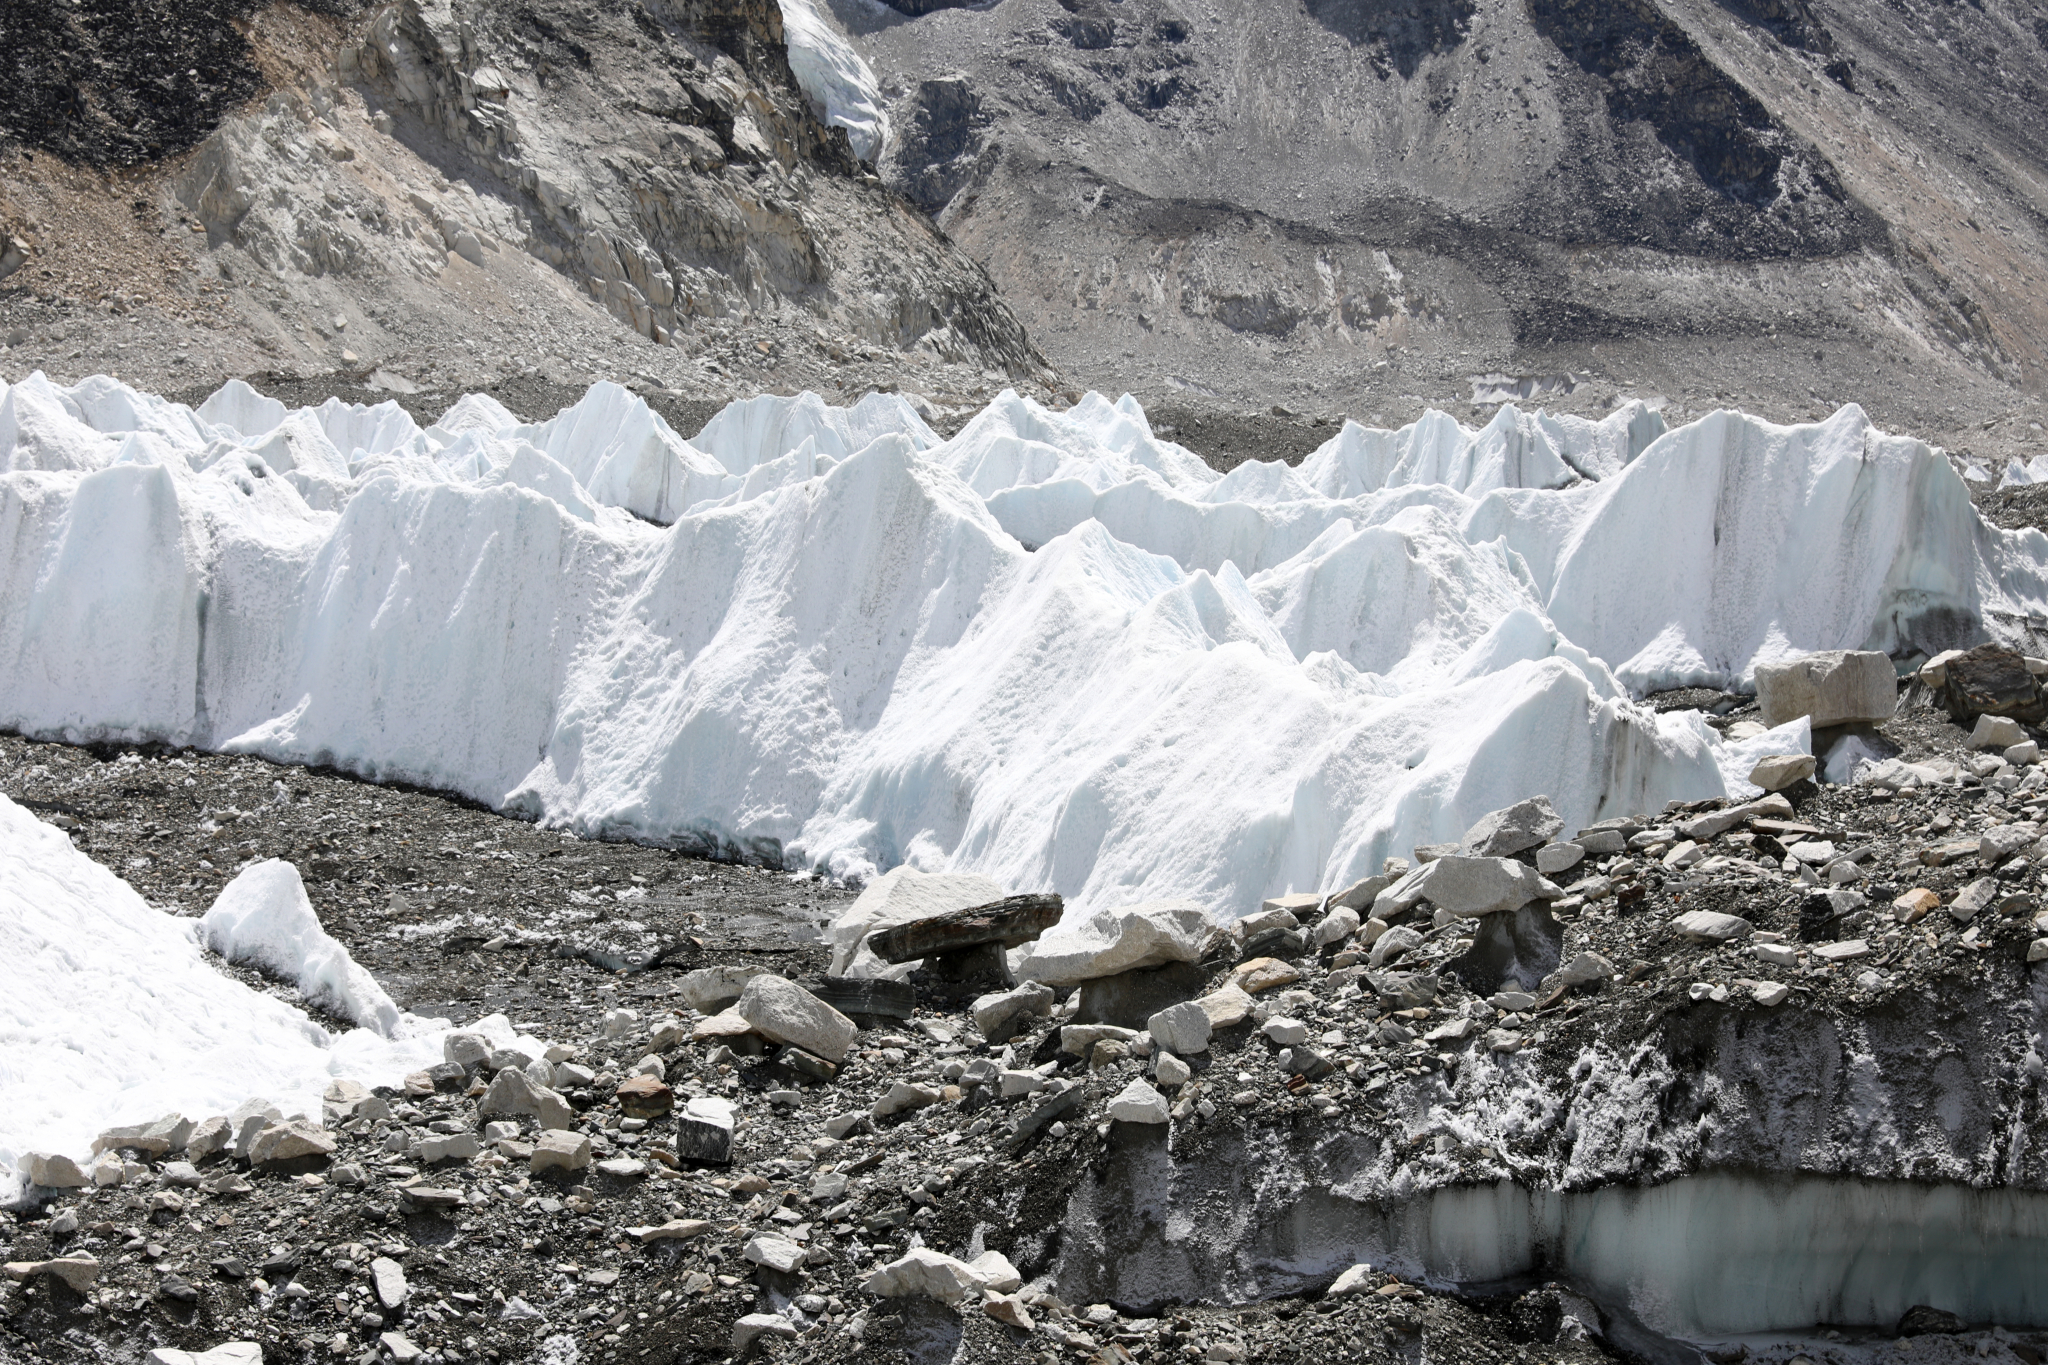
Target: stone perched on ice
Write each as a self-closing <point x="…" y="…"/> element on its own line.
<point x="1001" y="1016"/>
<point x="1138" y="1102"/>
<point x="1832" y="687"/>
<point x="899" y="896"/>
<point x="1184" y="1028"/>
<point x="704" y="1131"/>
<point x="1779" y="771"/>
<point x="1996" y="732"/>
<point x="784" y="1012"/>
<point x="1512" y="829"/>
<point x="1009" y="922"/>
<point x="1711" y="926"/>
<point x="1467" y="887"/>
<point x="1992" y="680"/>
<point x="1120" y="940"/>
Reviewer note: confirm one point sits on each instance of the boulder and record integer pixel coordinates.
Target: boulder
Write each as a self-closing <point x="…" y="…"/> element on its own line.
<point x="1510" y="830"/>
<point x="784" y="1012"/>
<point x="1184" y="1028"/>
<point x="1832" y="687"/>
<point x="53" y="1170"/>
<point x="998" y="1276"/>
<point x="147" y="1139"/>
<point x="1138" y="1102"/>
<point x="1934" y="672"/>
<point x="899" y="896"/>
<point x="867" y="1000"/>
<point x="704" y="1131"/>
<point x="1552" y="859"/>
<point x="558" y="1149"/>
<point x="1467" y="887"/>
<point x="1002" y="1016"/>
<point x="1996" y="732"/>
<point x="293" y="1144"/>
<point x="1779" y="771"/>
<point x="1356" y="1280"/>
<point x="1296" y="904"/>
<point x="467" y="1050"/>
<point x="924" y="1273"/>
<point x="1992" y="680"/>
<point x="1147" y="935"/>
<point x="208" y="1138"/>
<point x="513" y="1093"/>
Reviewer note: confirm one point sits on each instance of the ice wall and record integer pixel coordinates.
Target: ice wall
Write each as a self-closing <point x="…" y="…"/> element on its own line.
<point x="1053" y="650"/>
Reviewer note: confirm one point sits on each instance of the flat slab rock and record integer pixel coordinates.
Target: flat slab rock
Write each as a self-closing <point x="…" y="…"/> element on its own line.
<point x="1012" y="922"/>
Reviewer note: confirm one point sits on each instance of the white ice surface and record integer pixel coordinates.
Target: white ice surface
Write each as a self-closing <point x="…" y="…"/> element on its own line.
<point x="1054" y="651"/>
<point x="835" y="77"/>
<point x="264" y="919"/>
<point x="110" y="1012"/>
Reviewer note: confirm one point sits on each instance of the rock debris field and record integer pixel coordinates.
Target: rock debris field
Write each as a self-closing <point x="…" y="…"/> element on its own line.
<point x="817" y="889"/>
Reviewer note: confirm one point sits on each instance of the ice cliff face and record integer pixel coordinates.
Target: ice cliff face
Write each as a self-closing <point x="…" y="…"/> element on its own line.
<point x="1055" y="649"/>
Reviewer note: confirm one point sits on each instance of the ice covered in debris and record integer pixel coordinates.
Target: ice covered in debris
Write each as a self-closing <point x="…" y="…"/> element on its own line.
<point x="1054" y="650"/>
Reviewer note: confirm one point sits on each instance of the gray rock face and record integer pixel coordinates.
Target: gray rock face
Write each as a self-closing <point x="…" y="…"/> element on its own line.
<point x="1521" y="826"/>
<point x="1833" y="687"/>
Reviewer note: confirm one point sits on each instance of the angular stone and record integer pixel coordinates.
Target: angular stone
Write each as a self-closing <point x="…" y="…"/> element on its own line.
<point x="557" y="1149"/>
<point x="209" y="1138"/>
<point x="1915" y="904"/>
<point x="1080" y="1039"/>
<point x="1048" y="1110"/>
<point x="1356" y="1280"/>
<point x="1285" y="1032"/>
<point x="1296" y="904"/>
<point x="784" y="1012"/>
<point x="430" y="1151"/>
<point x="1996" y="732"/>
<point x="53" y="1170"/>
<point x="775" y="1251"/>
<point x="1770" y="993"/>
<point x="1138" y="1102"/>
<point x="1833" y="687"/>
<point x="644" y="1097"/>
<point x="516" y="1094"/>
<point x="751" y="1327"/>
<point x="1510" y="830"/>
<point x="1584" y="969"/>
<point x="1552" y="859"/>
<point x="1263" y="974"/>
<point x="1340" y="923"/>
<point x="997" y="1274"/>
<point x="1010" y="922"/>
<point x="722" y="1026"/>
<point x="1601" y="843"/>
<point x="77" y="1272"/>
<point x="292" y="1143"/>
<point x="1170" y="1071"/>
<point x="1227" y="1007"/>
<point x="1467" y="887"/>
<point x="2000" y="842"/>
<point x="1972" y="899"/>
<point x="388" y="1278"/>
<point x="1779" y="771"/>
<point x="466" y="1050"/>
<point x="1995" y="681"/>
<point x="227" y="1353"/>
<point x="924" y="1273"/>
<point x="1711" y="926"/>
<point x="2024" y="754"/>
<point x="250" y="1118"/>
<point x="903" y="1096"/>
<point x="710" y="989"/>
<point x="1776" y="954"/>
<point x="704" y="1131"/>
<point x="1183" y="1029"/>
<point x="1843" y="951"/>
<point x="1009" y="1310"/>
<point x="674" y="1230"/>
<point x="400" y="1348"/>
<point x="1391" y="944"/>
<point x="1002" y="1016"/>
<point x="1710" y="823"/>
<point x="1360" y="894"/>
<point x="1121" y="940"/>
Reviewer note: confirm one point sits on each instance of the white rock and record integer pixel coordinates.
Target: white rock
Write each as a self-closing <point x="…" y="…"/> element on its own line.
<point x="924" y="1273"/>
<point x="1013" y="1083"/>
<point x="559" y="1149"/>
<point x="388" y="1278"/>
<point x="1779" y="771"/>
<point x="53" y="1170"/>
<point x="1832" y="687"/>
<point x="997" y="1274"/>
<point x="1585" y="969"/>
<point x="1340" y="923"/>
<point x="1285" y="1032"/>
<point x="1973" y="898"/>
<point x="751" y="1327"/>
<point x="227" y="1353"/>
<point x="1512" y="829"/>
<point x="2037" y="951"/>
<point x="1467" y="887"/>
<point x="784" y="1012"/>
<point x="711" y="989"/>
<point x="1138" y="1102"/>
<point x="1293" y="905"/>
<point x="1935" y="671"/>
<point x="775" y="1251"/>
<point x="1356" y="1280"/>
<point x="903" y="1096"/>
<point x="1151" y="934"/>
<point x="512" y="1092"/>
<point x="2024" y="755"/>
<point x="1183" y="1029"/>
<point x="1001" y="1015"/>
<point x="1170" y="1071"/>
<point x="1552" y="859"/>
<point x="1770" y="992"/>
<point x="1777" y="954"/>
<point x="1997" y="732"/>
<point x="1711" y="926"/>
<point x="1843" y="951"/>
<point x="1391" y="944"/>
<point x="1227" y="1006"/>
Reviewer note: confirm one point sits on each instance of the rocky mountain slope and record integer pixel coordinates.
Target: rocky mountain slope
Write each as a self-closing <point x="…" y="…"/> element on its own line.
<point x="1341" y="206"/>
<point x="443" y="195"/>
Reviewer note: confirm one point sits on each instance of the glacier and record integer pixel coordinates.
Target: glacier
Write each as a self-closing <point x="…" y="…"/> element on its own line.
<point x="1053" y="650"/>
